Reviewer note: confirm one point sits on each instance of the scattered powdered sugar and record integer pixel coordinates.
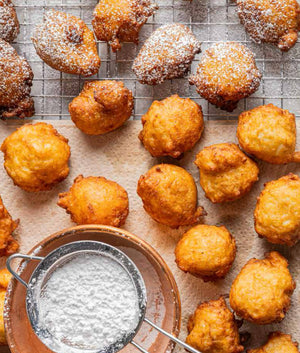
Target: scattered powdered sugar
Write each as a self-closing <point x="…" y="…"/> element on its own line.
<point x="270" y="21"/>
<point x="9" y="24"/>
<point x="166" y="54"/>
<point x="65" y="43"/>
<point x="88" y="303"/>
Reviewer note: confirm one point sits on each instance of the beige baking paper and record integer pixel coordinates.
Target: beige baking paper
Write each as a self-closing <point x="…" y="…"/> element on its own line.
<point x="119" y="156"/>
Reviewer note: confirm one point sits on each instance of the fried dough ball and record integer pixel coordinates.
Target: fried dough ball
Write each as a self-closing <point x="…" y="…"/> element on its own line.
<point x="213" y="329"/>
<point x="277" y="343"/>
<point x="8" y="244"/>
<point x="269" y="133"/>
<point x="5" y="277"/>
<point x="171" y="126"/>
<point x="16" y="81"/>
<point x="206" y="251"/>
<point x="118" y="21"/>
<point x="226" y="74"/>
<point x="272" y="21"/>
<point x="261" y="292"/>
<point x="36" y="157"/>
<point x="277" y="212"/>
<point x="66" y="44"/>
<point x="169" y="196"/>
<point x="101" y="107"/>
<point x="9" y="24"/>
<point x="95" y="200"/>
<point x="226" y="173"/>
<point x="166" y="54"/>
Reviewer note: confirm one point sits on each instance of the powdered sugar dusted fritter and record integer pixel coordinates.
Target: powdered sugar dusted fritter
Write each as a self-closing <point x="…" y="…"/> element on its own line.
<point x="273" y="21"/>
<point x="9" y="24"/>
<point x="227" y="73"/>
<point x="66" y="44"/>
<point x="166" y="54"/>
<point x="15" y="84"/>
<point x="118" y="21"/>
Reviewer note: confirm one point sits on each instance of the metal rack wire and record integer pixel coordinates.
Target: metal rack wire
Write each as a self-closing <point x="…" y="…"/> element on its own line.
<point x="210" y="20"/>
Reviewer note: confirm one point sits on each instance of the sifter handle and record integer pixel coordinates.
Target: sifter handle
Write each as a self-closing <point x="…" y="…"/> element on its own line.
<point x="172" y="338"/>
<point x="15" y="256"/>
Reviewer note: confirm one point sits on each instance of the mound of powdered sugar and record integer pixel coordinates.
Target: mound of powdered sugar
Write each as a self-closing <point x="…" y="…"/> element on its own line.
<point x="88" y="303"/>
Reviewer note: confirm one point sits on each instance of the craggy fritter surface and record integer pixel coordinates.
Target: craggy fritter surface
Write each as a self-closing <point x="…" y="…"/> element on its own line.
<point x="213" y="329"/>
<point x="226" y="73"/>
<point x="36" y="157"/>
<point x="226" y="173"/>
<point x="272" y="21"/>
<point x="169" y="196"/>
<point x="269" y="133"/>
<point x="166" y="54"/>
<point x="66" y="44"/>
<point x="277" y="343"/>
<point x="277" y="212"/>
<point x="8" y="244"/>
<point x="206" y="252"/>
<point x="171" y="126"/>
<point x="95" y="200"/>
<point x="15" y="86"/>
<point x="9" y="24"/>
<point x="261" y="292"/>
<point x="101" y="107"/>
<point x="5" y="277"/>
<point x="118" y="21"/>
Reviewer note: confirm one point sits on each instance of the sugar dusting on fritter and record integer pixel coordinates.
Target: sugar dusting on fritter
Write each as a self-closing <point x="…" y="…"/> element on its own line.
<point x="166" y="54"/>
<point x="15" y="84"/>
<point x="9" y="25"/>
<point x="118" y="21"/>
<point x="65" y="43"/>
<point x="271" y="21"/>
<point x="226" y="73"/>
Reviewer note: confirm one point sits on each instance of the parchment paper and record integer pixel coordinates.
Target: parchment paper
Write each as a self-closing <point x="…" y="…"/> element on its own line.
<point x="119" y="156"/>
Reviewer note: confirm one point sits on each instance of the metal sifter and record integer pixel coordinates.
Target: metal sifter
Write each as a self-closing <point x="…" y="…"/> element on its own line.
<point x="61" y="256"/>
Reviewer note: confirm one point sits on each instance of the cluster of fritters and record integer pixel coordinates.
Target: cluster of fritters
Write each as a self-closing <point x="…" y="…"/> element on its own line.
<point x="36" y="156"/>
<point x="227" y="71"/>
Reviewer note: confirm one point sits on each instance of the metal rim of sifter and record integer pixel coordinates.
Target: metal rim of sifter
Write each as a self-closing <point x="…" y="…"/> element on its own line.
<point x="62" y="254"/>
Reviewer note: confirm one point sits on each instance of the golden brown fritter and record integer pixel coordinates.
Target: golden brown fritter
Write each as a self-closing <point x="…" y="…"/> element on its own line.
<point x="213" y="329"/>
<point x="277" y="343"/>
<point x="95" y="200"/>
<point x="15" y="86"/>
<point x="169" y="196"/>
<point x="226" y="74"/>
<point x="261" y="292"/>
<point x="277" y="212"/>
<point x="9" y="24"/>
<point x="272" y="21"/>
<point x="226" y="173"/>
<point x="118" y="21"/>
<point x="171" y="126"/>
<point x="5" y="277"/>
<point x="166" y="54"/>
<point x="269" y="133"/>
<point x="8" y="244"/>
<point x="206" y="251"/>
<point x="66" y="44"/>
<point x="101" y="107"/>
<point x="36" y="157"/>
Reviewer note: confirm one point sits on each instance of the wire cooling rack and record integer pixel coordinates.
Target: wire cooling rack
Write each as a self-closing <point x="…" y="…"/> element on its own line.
<point x="210" y="20"/>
